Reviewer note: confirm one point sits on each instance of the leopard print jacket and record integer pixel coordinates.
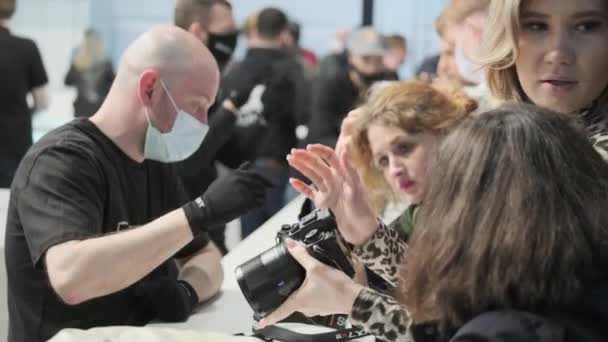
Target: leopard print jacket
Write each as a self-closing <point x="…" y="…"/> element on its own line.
<point x="373" y="311"/>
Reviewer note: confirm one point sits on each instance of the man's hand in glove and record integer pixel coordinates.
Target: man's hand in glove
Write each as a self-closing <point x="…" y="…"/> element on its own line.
<point x="170" y="299"/>
<point x="227" y="198"/>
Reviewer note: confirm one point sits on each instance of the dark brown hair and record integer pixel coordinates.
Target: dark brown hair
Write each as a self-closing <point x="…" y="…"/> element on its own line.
<point x="7" y="9"/>
<point x="271" y="22"/>
<point x="188" y="12"/>
<point x="515" y="218"/>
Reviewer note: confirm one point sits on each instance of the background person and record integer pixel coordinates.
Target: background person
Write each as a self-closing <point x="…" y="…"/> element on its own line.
<point x="92" y="73"/>
<point x="22" y="73"/>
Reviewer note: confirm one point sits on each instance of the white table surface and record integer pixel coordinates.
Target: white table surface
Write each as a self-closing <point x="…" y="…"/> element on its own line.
<point x="4" y="196"/>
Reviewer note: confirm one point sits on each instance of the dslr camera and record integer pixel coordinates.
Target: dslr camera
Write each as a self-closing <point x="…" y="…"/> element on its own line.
<point x="269" y="278"/>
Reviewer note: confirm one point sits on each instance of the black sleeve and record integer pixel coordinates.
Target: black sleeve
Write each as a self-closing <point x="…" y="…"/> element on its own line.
<point x="61" y="201"/>
<point x="325" y="117"/>
<point x="508" y="326"/>
<point x="37" y="74"/>
<point x="221" y="127"/>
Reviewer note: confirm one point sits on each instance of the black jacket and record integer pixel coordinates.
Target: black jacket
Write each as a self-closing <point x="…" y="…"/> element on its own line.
<point x="587" y="322"/>
<point x="273" y="135"/>
<point x="333" y="99"/>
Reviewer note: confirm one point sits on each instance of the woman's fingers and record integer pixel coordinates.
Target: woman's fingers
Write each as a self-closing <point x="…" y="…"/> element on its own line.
<point x="315" y="162"/>
<point x="307" y="171"/>
<point x="302" y="188"/>
<point x="327" y="154"/>
<point x="349" y="170"/>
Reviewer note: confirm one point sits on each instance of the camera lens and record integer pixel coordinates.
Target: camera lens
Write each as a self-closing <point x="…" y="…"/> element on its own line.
<point x="268" y="279"/>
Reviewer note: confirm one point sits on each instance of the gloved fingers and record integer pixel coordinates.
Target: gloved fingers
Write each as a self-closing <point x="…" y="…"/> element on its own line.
<point x="261" y="180"/>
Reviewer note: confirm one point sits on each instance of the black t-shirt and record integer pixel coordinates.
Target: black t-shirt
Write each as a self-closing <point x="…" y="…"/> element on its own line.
<point x="21" y="70"/>
<point x="76" y="184"/>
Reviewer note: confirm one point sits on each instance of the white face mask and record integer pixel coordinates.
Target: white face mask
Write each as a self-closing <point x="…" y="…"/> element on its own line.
<point x="468" y="69"/>
<point x="185" y="137"/>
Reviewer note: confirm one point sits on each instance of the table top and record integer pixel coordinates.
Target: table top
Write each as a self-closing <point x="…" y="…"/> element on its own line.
<point x="4" y="196"/>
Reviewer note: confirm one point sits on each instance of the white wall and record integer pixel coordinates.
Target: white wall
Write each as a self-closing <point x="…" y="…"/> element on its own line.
<point x="121" y="21"/>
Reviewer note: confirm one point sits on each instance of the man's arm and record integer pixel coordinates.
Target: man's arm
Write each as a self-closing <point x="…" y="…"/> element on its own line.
<point x="82" y="270"/>
<point x="203" y="271"/>
<point x="41" y="98"/>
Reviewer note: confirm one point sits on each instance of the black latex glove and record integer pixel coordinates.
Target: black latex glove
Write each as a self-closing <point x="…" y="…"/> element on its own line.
<point x="170" y="300"/>
<point x="227" y="198"/>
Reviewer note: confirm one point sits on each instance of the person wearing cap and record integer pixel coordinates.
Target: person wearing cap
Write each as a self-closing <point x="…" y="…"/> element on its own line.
<point x="337" y="95"/>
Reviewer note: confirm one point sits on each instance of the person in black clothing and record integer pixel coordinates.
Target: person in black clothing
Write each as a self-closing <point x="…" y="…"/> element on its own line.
<point x="95" y="233"/>
<point x="336" y="96"/>
<point x="211" y="22"/>
<point x="22" y="73"/>
<point x="92" y="73"/>
<point x="265" y="130"/>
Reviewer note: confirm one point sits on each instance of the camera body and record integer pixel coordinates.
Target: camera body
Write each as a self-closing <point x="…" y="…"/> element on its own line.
<point x="269" y="278"/>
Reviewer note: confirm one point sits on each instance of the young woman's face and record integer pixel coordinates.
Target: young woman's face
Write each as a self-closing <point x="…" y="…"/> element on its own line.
<point x="563" y="52"/>
<point x="403" y="159"/>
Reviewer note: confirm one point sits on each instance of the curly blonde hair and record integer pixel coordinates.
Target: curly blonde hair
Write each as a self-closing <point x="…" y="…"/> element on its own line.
<point x="413" y="106"/>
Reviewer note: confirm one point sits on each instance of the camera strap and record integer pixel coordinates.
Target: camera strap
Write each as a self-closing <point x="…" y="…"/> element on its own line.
<point x="275" y="333"/>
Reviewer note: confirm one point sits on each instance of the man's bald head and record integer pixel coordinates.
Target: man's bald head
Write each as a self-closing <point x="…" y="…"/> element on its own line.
<point x="163" y="71"/>
<point x="171" y="52"/>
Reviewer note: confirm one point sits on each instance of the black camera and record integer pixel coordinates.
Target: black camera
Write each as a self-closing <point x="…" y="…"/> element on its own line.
<point x="269" y="278"/>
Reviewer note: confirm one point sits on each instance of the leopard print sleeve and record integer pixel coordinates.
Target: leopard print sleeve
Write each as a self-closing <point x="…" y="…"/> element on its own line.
<point x="381" y="316"/>
<point x="383" y="253"/>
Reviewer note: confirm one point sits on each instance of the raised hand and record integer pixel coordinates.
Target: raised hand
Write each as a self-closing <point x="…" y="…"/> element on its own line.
<point x="337" y="186"/>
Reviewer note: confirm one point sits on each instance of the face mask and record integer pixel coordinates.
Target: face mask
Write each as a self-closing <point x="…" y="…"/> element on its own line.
<point x="185" y="137"/>
<point x="468" y="70"/>
<point x="222" y="46"/>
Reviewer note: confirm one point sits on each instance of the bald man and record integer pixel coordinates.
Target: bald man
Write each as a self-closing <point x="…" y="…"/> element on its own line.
<point x="99" y="231"/>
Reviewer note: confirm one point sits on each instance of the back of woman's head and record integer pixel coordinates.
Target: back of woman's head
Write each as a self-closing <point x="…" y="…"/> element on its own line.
<point x="413" y="106"/>
<point x="516" y="218"/>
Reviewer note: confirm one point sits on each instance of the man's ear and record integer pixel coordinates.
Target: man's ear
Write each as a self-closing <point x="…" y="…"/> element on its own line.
<point x="147" y="86"/>
<point x="199" y="32"/>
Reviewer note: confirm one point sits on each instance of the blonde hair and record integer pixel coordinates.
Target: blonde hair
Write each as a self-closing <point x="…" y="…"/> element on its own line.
<point x="457" y="11"/>
<point x="91" y="51"/>
<point x="499" y="51"/>
<point x="414" y="107"/>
